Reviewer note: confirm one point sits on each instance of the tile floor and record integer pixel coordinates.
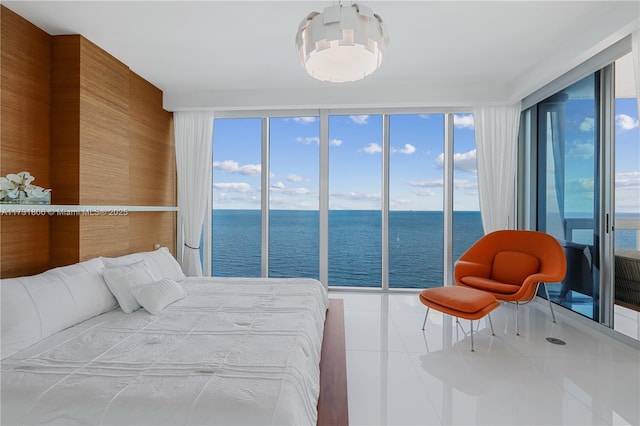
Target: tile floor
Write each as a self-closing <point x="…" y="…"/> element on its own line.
<point x="399" y="375"/>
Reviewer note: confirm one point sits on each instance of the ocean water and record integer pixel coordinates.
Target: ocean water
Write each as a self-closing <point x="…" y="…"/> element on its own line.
<point x="415" y="245"/>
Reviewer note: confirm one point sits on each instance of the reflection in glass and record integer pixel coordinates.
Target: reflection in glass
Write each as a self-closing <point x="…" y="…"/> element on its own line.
<point x="567" y="197"/>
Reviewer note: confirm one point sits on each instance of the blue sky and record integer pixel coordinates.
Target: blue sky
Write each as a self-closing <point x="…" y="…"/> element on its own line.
<point x="416" y="172"/>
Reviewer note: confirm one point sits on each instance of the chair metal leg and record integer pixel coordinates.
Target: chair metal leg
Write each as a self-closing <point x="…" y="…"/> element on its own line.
<point x="517" y="329"/>
<point x="472" y="350"/>
<point x="491" y="324"/>
<point x="425" y="318"/>
<point x="553" y="316"/>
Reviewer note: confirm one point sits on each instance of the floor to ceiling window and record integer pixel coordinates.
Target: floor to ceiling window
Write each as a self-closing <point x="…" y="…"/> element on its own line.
<point x="467" y="222"/>
<point x="627" y="201"/>
<point x="380" y="178"/>
<point x="580" y="145"/>
<point x="355" y="186"/>
<point x="236" y="234"/>
<point x="293" y="196"/>
<point x="416" y="200"/>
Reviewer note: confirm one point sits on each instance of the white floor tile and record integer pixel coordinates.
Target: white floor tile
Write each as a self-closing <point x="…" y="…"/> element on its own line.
<point x="371" y="331"/>
<point x="611" y="389"/>
<point x="385" y="390"/>
<point x="399" y="374"/>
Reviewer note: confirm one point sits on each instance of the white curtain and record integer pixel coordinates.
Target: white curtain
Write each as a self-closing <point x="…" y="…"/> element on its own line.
<point x="635" y="49"/>
<point x="496" y="130"/>
<point x="193" y="133"/>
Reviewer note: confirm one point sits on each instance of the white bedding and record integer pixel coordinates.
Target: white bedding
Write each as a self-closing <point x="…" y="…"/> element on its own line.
<point x="234" y="351"/>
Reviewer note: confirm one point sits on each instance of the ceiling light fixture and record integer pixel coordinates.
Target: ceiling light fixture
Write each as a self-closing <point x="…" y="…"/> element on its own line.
<point x="342" y="43"/>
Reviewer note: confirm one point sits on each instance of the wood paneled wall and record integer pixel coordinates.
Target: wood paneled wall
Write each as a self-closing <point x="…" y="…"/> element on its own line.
<point x="65" y="120"/>
<point x="24" y="136"/>
<point x="152" y="161"/>
<point x="104" y="132"/>
<point x="95" y="132"/>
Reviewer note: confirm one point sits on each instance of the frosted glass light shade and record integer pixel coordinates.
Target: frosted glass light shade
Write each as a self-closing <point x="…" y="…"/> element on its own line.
<point x="342" y="43"/>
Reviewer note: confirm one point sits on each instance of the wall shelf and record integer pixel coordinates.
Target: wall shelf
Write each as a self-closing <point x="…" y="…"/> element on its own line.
<point x="79" y="210"/>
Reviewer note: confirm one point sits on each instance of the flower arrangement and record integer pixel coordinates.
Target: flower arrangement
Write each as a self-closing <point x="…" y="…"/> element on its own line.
<point x="16" y="188"/>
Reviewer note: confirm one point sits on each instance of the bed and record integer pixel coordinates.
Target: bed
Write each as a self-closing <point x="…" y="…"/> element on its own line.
<point x="230" y="351"/>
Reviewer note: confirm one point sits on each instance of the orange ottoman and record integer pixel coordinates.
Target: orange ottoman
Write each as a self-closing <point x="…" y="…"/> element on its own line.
<point x="461" y="302"/>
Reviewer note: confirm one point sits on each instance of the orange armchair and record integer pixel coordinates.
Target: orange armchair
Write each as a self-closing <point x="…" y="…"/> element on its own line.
<point x="511" y="264"/>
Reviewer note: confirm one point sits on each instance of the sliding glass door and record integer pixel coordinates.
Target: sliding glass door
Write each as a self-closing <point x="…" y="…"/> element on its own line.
<point x="568" y="193"/>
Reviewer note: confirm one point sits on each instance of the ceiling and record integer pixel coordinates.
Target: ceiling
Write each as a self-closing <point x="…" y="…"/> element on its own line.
<point x="241" y="54"/>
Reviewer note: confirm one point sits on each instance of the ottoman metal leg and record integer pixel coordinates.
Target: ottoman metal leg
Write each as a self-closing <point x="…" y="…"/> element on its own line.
<point x="472" y="350"/>
<point x="425" y="318"/>
<point x="491" y="324"/>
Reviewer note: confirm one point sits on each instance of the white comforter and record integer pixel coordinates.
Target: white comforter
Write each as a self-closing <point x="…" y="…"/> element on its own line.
<point x="235" y="351"/>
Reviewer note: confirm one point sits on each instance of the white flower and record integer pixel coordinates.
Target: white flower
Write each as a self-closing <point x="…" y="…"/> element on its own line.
<point x="6" y="184"/>
<point x="26" y="178"/>
<point x="13" y="183"/>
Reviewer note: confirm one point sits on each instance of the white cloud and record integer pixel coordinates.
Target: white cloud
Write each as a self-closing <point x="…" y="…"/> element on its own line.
<point x="316" y="140"/>
<point x="294" y="178"/>
<point x="231" y="166"/>
<point x="425" y="193"/>
<point x="281" y="188"/>
<point x="465" y="161"/>
<point x="308" y="140"/>
<point x="463" y="121"/>
<point x="245" y="188"/>
<point x="292" y="204"/>
<point x="628" y="180"/>
<point x="359" y="119"/>
<point x="626" y="122"/>
<point x="373" y="148"/>
<point x="627" y="189"/>
<point x="305" y="120"/>
<point x="465" y="184"/>
<point x="408" y="149"/>
<point x="399" y="202"/>
<point x="581" y="151"/>
<point x="438" y="183"/>
<point x="587" y="124"/>
<point x="582" y="185"/>
<point x="355" y="196"/>
<point x="235" y="198"/>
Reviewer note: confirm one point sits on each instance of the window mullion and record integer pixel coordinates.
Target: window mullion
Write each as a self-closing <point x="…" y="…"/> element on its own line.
<point x="448" y="201"/>
<point x="385" y="201"/>
<point x="264" y="197"/>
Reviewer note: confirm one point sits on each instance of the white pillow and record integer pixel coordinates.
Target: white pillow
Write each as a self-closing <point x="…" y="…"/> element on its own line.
<point x="38" y="306"/>
<point x="87" y="286"/>
<point x="123" y="279"/>
<point x="157" y="296"/>
<point x="161" y="262"/>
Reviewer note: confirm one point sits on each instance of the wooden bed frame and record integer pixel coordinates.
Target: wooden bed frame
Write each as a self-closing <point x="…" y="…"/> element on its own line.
<point x="333" y="404"/>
